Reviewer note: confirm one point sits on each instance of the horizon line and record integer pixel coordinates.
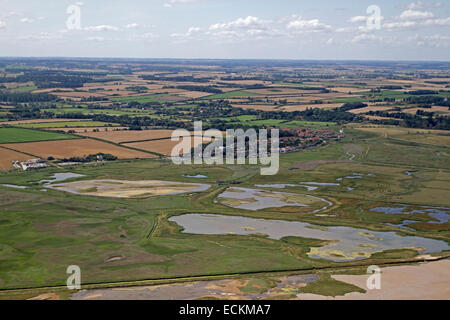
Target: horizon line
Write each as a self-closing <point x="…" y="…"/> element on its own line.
<point x="223" y="59"/>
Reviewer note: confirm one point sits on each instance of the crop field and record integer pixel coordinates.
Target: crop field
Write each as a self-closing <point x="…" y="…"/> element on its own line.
<point x="14" y="135"/>
<point x="232" y="94"/>
<point x="32" y="121"/>
<point x="144" y="98"/>
<point x="75" y="148"/>
<point x="129" y="135"/>
<point x="163" y="146"/>
<point x="87" y="129"/>
<point x="7" y="156"/>
<point x="73" y="124"/>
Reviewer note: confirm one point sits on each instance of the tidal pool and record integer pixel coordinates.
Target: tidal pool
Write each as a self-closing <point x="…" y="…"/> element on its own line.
<point x="284" y="185"/>
<point x="59" y="177"/>
<point x="441" y="214"/>
<point x="348" y="244"/>
<point x="256" y="199"/>
<point x="198" y="176"/>
<point x="128" y="189"/>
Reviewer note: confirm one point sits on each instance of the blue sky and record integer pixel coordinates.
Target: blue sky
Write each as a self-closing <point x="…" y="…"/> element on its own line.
<point x="252" y="29"/>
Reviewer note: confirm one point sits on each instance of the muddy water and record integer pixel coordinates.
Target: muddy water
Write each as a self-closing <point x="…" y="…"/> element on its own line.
<point x="224" y="289"/>
<point x="263" y="202"/>
<point x="349" y="243"/>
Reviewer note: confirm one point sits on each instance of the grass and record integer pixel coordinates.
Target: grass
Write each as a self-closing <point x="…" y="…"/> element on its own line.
<point x="327" y="286"/>
<point x="25" y="89"/>
<point x="17" y="135"/>
<point x="143" y="99"/>
<point x="68" y="124"/>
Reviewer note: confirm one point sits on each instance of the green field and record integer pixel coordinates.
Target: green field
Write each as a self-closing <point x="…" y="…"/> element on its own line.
<point x="25" y="89"/>
<point x="143" y="99"/>
<point x="16" y="135"/>
<point x="68" y="124"/>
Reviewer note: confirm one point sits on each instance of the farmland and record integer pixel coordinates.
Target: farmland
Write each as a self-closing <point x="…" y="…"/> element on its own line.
<point x="75" y="148"/>
<point x="72" y="124"/>
<point x="363" y="179"/>
<point x="14" y="135"/>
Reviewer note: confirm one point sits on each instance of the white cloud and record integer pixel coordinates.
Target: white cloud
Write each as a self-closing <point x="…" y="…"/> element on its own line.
<point x="402" y="25"/>
<point x="132" y="26"/>
<point x="422" y="5"/>
<point x="103" y="27"/>
<point x="241" y="23"/>
<point x="143" y="37"/>
<point x="42" y="36"/>
<point x="243" y="28"/>
<point x="437" y="22"/>
<point x="171" y="3"/>
<point x="399" y="25"/>
<point x="357" y="19"/>
<point x="26" y="20"/>
<point x="366" y="38"/>
<point x="415" y="15"/>
<point x="97" y="39"/>
<point x="301" y="25"/>
<point x="2" y="24"/>
<point x="436" y="40"/>
<point x="191" y="31"/>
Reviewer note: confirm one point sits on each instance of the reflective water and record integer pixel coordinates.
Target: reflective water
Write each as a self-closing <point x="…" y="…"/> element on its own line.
<point x="348" y="243"/>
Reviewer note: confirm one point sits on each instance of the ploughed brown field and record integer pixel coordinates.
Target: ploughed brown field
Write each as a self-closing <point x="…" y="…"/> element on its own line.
<point x="76" y="148"/>
<point x="7" y="156"/>
<point x="164" y="146"/>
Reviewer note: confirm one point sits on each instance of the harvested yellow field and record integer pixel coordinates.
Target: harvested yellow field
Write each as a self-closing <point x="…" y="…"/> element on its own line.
<point x="76" y="148"/>
<point x="161" y="146"/>
<point x="87" y="129"/>
<point x="7" y="156"/>
<point x="129" y="135"/>
<point x="129" y="189"/>
<point x="51" y="90"/>
<point x="263" y="107"/>
<point x="43" y="121"/>
<point x="370" y="108"/>
<point x="74" y="94"/>
<point x="436" y="109"/>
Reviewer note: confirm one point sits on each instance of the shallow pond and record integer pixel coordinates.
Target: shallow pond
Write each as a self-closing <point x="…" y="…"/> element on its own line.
<point x="256" y="199"/>
<point x="441" y="214"/>
<point x="59" y="177"/>
<point x="348" y="244"/>
<point x="198" y="176"/>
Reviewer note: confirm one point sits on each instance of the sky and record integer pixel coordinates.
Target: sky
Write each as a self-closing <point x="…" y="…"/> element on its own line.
<point x="227" y="29"/>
